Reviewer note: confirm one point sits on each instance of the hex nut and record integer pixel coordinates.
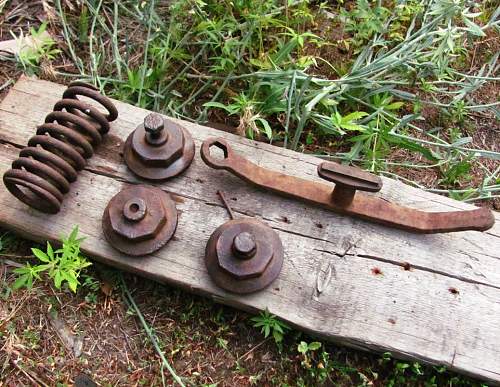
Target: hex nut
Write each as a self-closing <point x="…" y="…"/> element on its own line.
<point x="159" y="153"/>
<point x="146" y="228"/>
<point x="139" y="220"/>
<point x="244" y="268"/>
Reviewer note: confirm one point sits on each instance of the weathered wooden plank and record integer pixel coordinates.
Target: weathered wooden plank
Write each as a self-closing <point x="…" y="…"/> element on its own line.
<point x="410" y="313"/>
<point x="456" y="249"/>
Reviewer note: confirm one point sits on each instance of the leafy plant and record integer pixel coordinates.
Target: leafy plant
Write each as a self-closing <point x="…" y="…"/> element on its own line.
<point x="63" y="265"/>
<point x="364" y="21"/>
<point x="405" y="373"/>
<point x="35" y="48"/>
<point x="305" y="348"/>
<point x="456" y="171"/>
<point x="348" y="122"/>
<point x="249" y="118"/>
<point x="92" y="286"/>
<point x="316" y="364"/>
<point x="270" y="324"/>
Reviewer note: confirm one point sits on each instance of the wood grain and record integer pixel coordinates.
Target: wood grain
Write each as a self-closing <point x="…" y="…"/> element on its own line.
<point x="343" y="279"/>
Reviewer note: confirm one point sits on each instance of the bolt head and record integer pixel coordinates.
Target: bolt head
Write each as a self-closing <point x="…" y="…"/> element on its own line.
<point x="135" y="210"/>
<point x="256" y="249"/>
<point x="153" y="123"/>
<point x="244" y="245"/>
<point x="158" y="152"/>
<point x="137" y="218"/>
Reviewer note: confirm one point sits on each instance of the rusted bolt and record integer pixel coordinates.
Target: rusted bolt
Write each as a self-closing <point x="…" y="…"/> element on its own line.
<point x="139" y="220"/>
<point x="244" y="245"/>
<point x="158" y="149"/>
<point x="244" y="255"/>
<point x="154" y="125"/>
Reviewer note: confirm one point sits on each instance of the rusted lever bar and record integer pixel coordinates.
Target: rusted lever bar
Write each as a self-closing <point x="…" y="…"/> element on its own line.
<point x="343" y="198"/>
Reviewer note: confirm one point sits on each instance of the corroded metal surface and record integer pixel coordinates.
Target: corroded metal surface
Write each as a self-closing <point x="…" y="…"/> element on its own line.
<point x="44" y="170"/>
<point x="139" y="220"/>
<point x="158" y="149"/>
<point x="244" y="256"/>
<point x="343" y="198"/>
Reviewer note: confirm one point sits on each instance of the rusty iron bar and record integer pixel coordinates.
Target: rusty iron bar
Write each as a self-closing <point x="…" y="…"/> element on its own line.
<point x="44" y="170"/>
<point x="343" y="198"/>
<point x="226" y="204"/>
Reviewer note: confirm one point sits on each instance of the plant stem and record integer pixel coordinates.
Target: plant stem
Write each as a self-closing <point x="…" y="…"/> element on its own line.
<point x="149" y="332"/>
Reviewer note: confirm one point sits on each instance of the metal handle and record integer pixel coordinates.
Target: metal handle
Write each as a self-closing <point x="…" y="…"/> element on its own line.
<point x="347" y="180"/>
<point x="349" y="177"/>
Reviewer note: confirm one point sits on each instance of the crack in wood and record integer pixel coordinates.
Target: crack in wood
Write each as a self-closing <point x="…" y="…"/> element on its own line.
<point x="426" y="269"/>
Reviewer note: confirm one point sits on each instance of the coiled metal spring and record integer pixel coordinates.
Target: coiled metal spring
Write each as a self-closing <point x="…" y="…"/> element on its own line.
<point x="44" y="170"/>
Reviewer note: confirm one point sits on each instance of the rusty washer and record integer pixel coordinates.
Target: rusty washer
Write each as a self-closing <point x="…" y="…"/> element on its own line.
<point x="139" y="220"/>
<point x="244" y="255"/>
<point x="158" y="149"/>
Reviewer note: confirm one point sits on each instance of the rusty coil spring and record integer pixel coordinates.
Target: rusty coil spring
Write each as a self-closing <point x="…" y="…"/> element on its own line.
<point x="46" y="167"/>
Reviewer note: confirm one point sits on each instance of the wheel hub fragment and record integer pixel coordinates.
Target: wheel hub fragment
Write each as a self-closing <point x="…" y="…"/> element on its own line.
<point x="139" y="220"/>
<point x="244" y="256"/>
<point x="158" y="149"/>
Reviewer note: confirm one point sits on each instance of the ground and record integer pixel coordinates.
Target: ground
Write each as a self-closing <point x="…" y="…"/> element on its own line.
<point x="207" y="344"/>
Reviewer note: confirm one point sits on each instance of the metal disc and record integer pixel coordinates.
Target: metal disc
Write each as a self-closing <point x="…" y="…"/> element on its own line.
<point x="139" y="220"/>
<point x="254" y="273"/>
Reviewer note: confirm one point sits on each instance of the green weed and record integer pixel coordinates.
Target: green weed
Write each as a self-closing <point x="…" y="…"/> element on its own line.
<point x="270" y="324"/>
<point x="364" y="21"/>
<point x="63" y="265"/>
<point x="316" y="363"/>
<point x="35" y="48"/>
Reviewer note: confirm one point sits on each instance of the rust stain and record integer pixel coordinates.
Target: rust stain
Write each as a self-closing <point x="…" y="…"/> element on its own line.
<point x="453" y="290"/>
<point x="177" y="198"/>
<point x="376" y="271"/>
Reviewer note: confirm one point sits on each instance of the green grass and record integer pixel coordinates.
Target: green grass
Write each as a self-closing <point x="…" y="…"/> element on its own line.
<point x="258" y="66"/>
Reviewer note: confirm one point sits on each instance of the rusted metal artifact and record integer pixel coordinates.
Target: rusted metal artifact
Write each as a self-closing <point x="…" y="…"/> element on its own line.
<point x="343" y="198"/>
<point x="44" y="170"/>
<point x="243" y="255"/>
<point x="139" y="220"/>
<point x="158" y="149"/>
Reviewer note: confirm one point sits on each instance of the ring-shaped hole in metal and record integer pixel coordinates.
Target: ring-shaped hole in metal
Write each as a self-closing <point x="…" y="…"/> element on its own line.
<point x="135" y="209"/>
<point x="222" y="147"/>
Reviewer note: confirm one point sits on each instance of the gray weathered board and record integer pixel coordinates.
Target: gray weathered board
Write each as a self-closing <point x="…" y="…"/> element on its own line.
<point x="329" y="284"/>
